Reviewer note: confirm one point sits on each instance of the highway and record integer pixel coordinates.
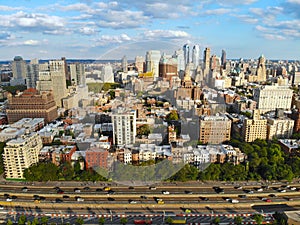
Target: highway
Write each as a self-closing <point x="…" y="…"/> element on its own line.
<point x="55" y="201"/>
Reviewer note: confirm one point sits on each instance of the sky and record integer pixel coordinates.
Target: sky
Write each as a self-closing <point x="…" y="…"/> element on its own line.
<point x="86" y="29"/>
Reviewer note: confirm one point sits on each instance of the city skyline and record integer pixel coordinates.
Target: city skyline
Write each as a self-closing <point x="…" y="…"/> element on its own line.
<point x="111" y="29"/>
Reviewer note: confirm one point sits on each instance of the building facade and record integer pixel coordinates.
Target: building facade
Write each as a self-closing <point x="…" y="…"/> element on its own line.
<point x="255" y="128"/>
<point x="124" y="127"/>
<point x="269" y="98"/>
<point x="20" y="154"/>
<point x="31" y="104"/>
<point x="280" y="128"/>
<point x="214" y="129"/>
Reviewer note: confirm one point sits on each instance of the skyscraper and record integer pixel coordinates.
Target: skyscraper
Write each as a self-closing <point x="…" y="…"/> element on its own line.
<point x="107" y="75"/>
<point x="19" y="71"/>
<point x="32" y="73"/>
<point x="206" y="58"/>
<point x="52" y="77"/>
<point x="223" y="59"/>
<point x="186" y="52"/>
<point x="77" y="74"/>
<point x="196" y="56"/>
<point x="124" y="64"/>
<point x="179" y="55"/>
<point x="152" y="62"/>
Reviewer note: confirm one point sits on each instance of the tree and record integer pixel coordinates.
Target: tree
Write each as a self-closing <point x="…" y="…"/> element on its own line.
<point x="169" y="220"/>
<point x="238" y="220"/>
<point x="258" y="218"/>
<point x="124" y="220"/>
<point x="9" y="222"/>
<point x="44" y="220"/>
<point x="36" y="221"/>
<point x="79" y="221"/>
<point x="101" y="220"/>
<point x="216" y="220"/>
<point x="173" y="115"/>
<point x="143" y="130"/>
<point x="22" y="220"/>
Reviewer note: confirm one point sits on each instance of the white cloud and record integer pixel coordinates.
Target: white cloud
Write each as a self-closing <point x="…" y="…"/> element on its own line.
<point x="31" y="42"/>
<point x="219" y="11"/>
<point x="112" y="39"/>
<point x="24" y="43"/>
<point x="236" y="2"/>
<point x="246" y="18"/>
<point x="31" y="20"/>
<point x="88" y="30"/>
<point x="8" y="8"/>
<point x="168" y="34"/>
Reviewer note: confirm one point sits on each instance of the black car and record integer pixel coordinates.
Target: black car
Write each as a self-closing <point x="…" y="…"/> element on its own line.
<point x="58" y="200"/>
<point x="110" y="192"/>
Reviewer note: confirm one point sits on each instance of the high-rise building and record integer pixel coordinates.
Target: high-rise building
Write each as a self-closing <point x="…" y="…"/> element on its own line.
<point x="139" y="64"/>
<point x="52" y="77"/>
<point x="107" y="75"/>
<point x="186" y="52"/>
<point x="196" y="56"/>
<point x="255" y="128"/>
<point x="261" y="69"/>
<point x="124" y="127"/>
<point x="152" y="62"/>
<point x="124" y="64"/>
<point x="214" y="129"/>
<point x="31" y="104"/>
<point x="32" y="73"/>
<point x="20" y="154"/>
<point x="206" y="64"/>
<point x="77" y="74"/>
<point x="167" y="67"/>
<point x="187" y="90"/>
<point x="206" y="59"/>
<point x="19" y="71"/>
<point x="223" y="59"/>
<point x="273" y="97"/>
<point x="179" y="55"/>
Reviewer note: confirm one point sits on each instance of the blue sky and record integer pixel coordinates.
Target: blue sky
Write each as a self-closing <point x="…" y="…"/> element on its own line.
<point x="110" y="29"/>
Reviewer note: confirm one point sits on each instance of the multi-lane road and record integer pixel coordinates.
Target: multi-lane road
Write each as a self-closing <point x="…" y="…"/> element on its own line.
<point x="193" y="200"/>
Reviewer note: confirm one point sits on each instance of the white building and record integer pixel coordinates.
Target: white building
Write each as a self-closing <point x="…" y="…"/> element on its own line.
<point x="124" y="127"/>
<point x="269" y="98"/>
<point x="107" y="75"/>
<point x="20" y="154"/>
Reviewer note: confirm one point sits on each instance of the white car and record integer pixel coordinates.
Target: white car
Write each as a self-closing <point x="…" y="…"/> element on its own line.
<point x="293" y="188"/>
<point x="132" y="202"/>
<point x="80" y="200"/>
<point x="165" y="192"/>
<point x="260" y="189"/>
<point x="9" y="199"/>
